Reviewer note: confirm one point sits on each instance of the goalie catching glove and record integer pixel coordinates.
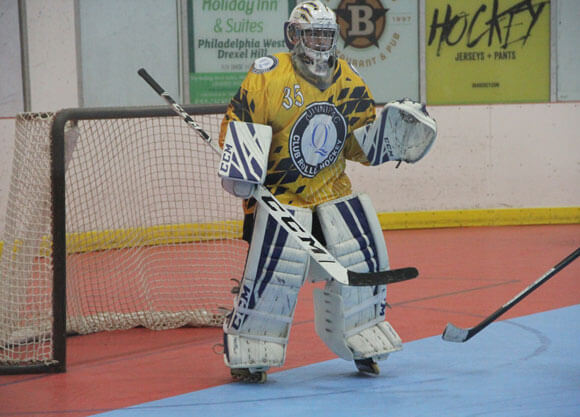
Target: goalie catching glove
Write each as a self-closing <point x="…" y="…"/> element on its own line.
<point x="244" y="159"/>
<point x="404" y="131"/>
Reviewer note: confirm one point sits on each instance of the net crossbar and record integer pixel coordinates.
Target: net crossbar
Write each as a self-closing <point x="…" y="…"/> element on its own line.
<point x="115" y="219"/>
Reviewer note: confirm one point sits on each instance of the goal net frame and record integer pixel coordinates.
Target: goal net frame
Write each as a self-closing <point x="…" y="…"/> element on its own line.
<point x="57" y="244"/>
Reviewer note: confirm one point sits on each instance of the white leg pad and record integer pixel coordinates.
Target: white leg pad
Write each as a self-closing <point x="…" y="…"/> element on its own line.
<point x="256" y="332"/>
<point x="350" y="320"/>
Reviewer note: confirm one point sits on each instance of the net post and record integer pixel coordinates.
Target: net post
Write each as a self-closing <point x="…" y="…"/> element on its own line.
<point x="58" y="227"/>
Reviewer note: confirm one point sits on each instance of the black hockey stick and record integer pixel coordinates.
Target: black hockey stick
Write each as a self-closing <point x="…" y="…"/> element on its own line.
<point x="456" y="334"/>
<point x="289" y="223"/>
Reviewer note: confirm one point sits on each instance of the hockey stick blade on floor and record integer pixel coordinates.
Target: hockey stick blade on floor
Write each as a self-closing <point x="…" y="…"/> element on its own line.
<point x="288" y="222"/>
<point x="456" y="334"/>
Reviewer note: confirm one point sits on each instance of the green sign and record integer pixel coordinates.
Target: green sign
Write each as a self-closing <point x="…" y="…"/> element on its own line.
<point x="225" y="37"/>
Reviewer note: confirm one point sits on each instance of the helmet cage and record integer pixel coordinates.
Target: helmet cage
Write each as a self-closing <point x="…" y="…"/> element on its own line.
<point x="314" y="44"/>
<point x="314" y="37"/>
<point x="311" y="33"/>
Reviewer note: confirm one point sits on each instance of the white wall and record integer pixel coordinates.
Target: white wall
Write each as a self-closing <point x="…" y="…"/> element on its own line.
<point x="11" y="98"/>
<point x="52" y="54"/>
<point x="485" y="156"/>
<point x="499" y="156"/>
<point x="118" y="38"/>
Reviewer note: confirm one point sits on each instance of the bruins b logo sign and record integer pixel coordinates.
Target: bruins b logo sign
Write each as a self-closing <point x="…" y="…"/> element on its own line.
<point x="362" y="22"/>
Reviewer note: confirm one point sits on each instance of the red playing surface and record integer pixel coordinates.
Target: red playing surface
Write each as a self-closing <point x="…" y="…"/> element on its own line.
<point x="465" y="275"/>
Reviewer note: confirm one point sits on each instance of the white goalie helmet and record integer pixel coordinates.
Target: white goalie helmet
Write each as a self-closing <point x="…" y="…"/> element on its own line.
<point x="311" y="33"/>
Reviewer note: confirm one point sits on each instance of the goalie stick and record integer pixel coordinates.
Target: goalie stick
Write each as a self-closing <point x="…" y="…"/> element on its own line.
<point x="456" y="334"/>
<point x="288" y="222"/>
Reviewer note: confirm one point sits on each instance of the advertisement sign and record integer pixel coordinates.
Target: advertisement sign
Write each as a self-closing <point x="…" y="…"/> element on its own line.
<point x="487" y="51"/>
<point x="380" y="38"/>
<point x="225" y="37"/>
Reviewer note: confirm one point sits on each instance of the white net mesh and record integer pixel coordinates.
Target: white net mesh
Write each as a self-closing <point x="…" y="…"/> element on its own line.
<point x="152" y="240"/>
<point x="25" y="271"/>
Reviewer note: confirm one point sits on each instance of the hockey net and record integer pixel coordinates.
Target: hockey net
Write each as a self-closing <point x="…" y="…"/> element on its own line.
<point x="151" y="239"/>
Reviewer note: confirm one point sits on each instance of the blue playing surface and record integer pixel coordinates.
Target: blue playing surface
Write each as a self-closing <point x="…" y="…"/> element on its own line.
<point x="528" y="366"/>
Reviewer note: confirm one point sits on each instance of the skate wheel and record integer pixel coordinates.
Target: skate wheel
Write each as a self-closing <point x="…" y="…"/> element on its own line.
<point x="244" y="375"/>
<point x="367" y="366"/>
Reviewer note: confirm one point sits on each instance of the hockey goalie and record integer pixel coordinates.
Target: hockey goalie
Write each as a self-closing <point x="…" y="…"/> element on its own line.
<point x="295" y="120"/>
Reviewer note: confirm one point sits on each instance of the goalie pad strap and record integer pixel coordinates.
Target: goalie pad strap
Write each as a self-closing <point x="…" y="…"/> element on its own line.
<point x="377" y="298"/>
<point x="363" y="326"/>
<point x="264" y="314"/>
<point x="278" y="340"/>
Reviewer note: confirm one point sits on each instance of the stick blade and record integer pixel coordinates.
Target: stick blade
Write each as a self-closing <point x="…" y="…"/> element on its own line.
<point x="455" y="334"/>
<point x="390" y="276"/>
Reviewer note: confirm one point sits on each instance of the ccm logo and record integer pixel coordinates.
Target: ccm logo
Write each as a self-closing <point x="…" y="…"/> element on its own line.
<point x="226" y="159"/>
<point x="293" y="225"/>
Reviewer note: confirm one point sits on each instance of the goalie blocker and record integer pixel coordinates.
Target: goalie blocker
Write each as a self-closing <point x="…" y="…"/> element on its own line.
<point x="244" y="159"/>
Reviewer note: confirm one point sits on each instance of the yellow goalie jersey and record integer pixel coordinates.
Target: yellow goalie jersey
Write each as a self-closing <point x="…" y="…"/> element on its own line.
<point x="311" y="129"/>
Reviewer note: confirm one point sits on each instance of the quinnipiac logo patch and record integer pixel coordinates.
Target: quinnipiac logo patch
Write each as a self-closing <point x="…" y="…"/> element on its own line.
<point x="317" y="138"/>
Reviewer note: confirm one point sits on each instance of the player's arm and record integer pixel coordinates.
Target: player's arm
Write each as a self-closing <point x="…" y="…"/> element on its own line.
<point x="250" y="103"/>
<point x="238" y="110"/>
<point x="403" y="131"/>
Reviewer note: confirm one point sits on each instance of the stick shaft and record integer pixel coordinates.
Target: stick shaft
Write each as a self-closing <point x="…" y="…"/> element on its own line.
<point x="527" y="291"/>
<point x="455" y="334"/>
<point x="177" y="108"/>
